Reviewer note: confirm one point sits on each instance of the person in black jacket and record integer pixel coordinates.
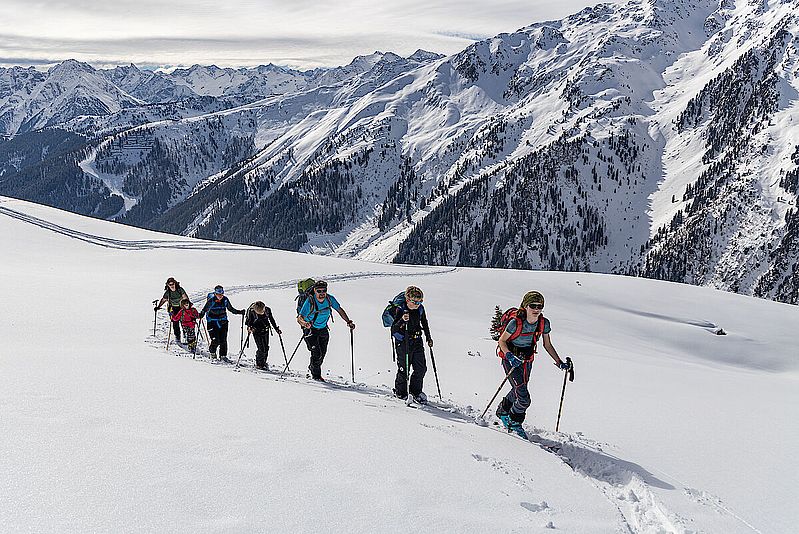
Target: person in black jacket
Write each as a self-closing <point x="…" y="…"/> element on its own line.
<point x="217" y="307"/>
<point x="259" y="319"/>
<point x="410" y="321"/>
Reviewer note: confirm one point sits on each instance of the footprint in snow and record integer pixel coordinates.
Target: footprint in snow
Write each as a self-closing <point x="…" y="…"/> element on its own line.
<point x="535" y="508"/>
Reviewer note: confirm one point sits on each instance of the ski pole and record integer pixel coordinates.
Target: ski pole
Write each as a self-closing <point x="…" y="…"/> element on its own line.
<point x="155" y="315"/>
<point x="507" y="376"/>
<point x="283" y="348"/>
<point x="242" y="332"/>
<point x="207" y="332"/>
<point x="569" y="372"/>
<point x="244" y="346"/>
<point x="393" y="348"/>
<point x="407" y="370"/>
<point x="169" y="332"/>
<point x="352" y="353"/>
<point x="435" y="373"/>
<point x="292" y="354"/>
<point x="200" y="330"/>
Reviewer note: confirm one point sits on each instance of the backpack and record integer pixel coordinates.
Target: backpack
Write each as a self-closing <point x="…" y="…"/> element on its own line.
<point x="304" y="290"/>
<point x="510" y="315"/>
<point x="393" y="304"/>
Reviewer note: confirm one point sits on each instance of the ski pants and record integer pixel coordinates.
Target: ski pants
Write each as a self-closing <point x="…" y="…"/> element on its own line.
<point x="175" y="324"/>
<point x="416" y="359"/>
<point x="191" y="337"/>
<point x="317" y="340"/>
<point x="217" y="330"/>
<point x="262" y="342"/>
<point x="518" y="398"/>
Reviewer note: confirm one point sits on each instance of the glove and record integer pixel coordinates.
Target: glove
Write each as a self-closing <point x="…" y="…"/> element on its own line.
<point x="351" y="325"/>
<point x="242" y="312"/>
<point x="513" y="361"/>
<point x="278" y="331"/>
<point x="563" y="365"/>
<point x="430" y="343"/>
<point x="157" y="308"/>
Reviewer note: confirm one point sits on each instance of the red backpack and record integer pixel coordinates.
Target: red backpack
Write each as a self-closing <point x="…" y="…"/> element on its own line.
<point x="510" y="315"/>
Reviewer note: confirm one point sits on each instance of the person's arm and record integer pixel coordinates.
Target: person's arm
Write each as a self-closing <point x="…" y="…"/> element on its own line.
<point x="272" y="319"/>
<point x="426" y="328"/>
<point x="503" y="342"/>
<point x="551" y="350"/>
<point x="176" y="317"/>
<point x="161" y="302"/>
<point x="343" y="314"/>
<point x="231" y="309"/>
<point x="205" y="308"/>
<point x="304" y="311"/>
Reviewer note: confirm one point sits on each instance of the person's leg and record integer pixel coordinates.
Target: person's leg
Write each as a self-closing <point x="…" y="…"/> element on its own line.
<point x="213" y="333"/>
<point x="518" y="380"/>
<point x="175" y="324"/>
<point x="223" y="326"/>
<point x="260" y="354"/>
<point x="315" y="366"/>
<point x="419" y="365"/>
<point x="191" y="337"/>
<point x="401" y="380"/>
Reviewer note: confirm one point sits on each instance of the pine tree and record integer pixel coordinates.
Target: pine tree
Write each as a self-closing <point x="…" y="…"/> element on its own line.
<point x="496" y="323"/>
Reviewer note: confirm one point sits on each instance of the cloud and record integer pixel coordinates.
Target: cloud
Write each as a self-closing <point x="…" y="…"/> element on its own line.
<point x="300" y="33"/>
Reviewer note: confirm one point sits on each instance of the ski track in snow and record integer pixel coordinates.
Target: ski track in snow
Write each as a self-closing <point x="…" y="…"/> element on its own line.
<point x="122" y="244"/>
<point x="626" y="486"/>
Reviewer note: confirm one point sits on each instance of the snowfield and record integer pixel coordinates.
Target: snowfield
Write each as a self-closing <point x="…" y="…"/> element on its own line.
<point x="667" y="427"/>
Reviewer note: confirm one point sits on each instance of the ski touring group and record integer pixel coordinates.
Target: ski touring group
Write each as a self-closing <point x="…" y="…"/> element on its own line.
<point x="516" y="330"/>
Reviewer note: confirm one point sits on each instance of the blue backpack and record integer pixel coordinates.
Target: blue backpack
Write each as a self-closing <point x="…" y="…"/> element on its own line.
<point x="393" y="304"/>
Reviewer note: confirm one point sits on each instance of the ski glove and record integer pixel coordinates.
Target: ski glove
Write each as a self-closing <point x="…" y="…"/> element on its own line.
<point x="513" y="361"/>
<point x="563" y="365"/>
<point x="157" y="308"/>
<point x="278" y="331"/>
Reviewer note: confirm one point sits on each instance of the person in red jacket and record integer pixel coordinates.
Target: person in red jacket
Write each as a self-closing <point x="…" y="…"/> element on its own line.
<point x="187" y="315"/>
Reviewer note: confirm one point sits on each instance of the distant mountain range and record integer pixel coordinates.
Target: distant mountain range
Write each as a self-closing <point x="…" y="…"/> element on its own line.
<point x="652" y="138"/>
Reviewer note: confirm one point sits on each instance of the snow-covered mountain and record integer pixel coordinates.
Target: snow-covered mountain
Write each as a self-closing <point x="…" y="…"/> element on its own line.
<point x="667" y="426"/>
<point x="652" y="137"/>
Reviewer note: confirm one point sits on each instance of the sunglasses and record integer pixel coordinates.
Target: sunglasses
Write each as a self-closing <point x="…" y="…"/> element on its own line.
<point x="416" y="302"/>
<point x="536" y="306"/>
<point x="321" y="291"/>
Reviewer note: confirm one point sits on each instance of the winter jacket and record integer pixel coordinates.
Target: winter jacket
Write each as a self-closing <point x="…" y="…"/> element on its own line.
<point x="260" y="323"/>
<point x="215" y="309"/>
<point x="187" y="318"/>
<point x="416" y="324"/>
<point x="173" y="298"/>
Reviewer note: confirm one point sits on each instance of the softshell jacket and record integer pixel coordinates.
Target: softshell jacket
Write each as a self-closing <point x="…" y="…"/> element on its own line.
<point x="214" y="309"/>
<point x="187" y="318"/>
<point x="417" y="321"/>
<point x="260" y="323"/>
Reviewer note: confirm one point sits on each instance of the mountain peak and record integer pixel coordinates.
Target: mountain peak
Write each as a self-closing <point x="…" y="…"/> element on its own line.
<point x="71" y="67"/>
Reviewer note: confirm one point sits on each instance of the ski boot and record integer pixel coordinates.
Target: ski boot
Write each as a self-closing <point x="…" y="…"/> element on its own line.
<point x="516" y="428"/>
<point x="420" y="398"/>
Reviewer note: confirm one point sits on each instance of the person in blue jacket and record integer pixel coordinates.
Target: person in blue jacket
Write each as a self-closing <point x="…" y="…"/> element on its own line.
<point x="314" y="314"/>
<point x="217" y="307"/>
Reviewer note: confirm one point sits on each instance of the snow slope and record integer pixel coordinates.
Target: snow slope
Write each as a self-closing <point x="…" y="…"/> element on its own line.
<point x="667" y="427"/>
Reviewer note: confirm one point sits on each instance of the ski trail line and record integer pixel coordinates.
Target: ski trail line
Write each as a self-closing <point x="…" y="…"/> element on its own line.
<point x="122" y="244"/>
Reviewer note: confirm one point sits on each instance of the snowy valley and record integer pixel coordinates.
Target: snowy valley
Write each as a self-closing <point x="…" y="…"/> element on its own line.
<point x="668" y="427"/>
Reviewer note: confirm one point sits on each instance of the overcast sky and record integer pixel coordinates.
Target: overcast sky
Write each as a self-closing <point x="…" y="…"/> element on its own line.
<point x="297" y="33"/>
